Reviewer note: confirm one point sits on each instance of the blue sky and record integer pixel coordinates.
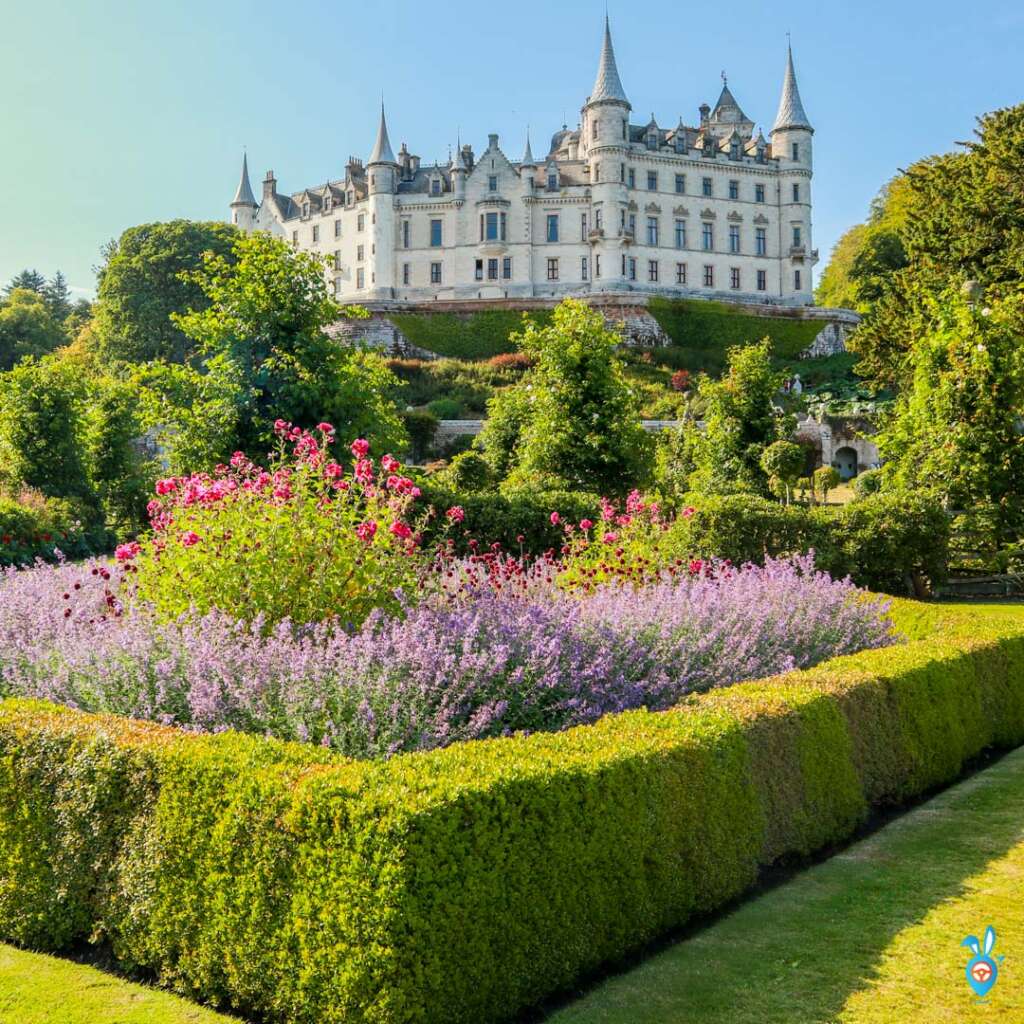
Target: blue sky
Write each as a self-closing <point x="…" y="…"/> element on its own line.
<point x="116" y="113"/>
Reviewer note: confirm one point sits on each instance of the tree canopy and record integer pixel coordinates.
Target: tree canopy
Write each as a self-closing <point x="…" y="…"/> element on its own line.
<point x="145" y="279"/>
<point x="27" y="328"/>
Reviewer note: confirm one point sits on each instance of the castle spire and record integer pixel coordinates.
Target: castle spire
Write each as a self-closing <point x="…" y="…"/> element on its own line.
<point x="528" y="160"/>
<point x="791" y="111"/>
<point x="382" y="153"/>
<point x="244" y="196"/>
<point x="608" y="85"/>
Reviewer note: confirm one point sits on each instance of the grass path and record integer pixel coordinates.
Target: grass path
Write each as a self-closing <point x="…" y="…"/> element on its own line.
<point x="870" y="936"/>
<point x="38" y="989"/>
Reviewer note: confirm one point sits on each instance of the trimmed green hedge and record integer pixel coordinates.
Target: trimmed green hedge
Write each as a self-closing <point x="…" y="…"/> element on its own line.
<point x="466" y="884"/>
<point x="704" y="330"/>
<point x="465" y="336"/>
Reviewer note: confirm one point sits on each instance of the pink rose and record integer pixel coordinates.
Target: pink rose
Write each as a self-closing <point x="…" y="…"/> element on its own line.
<point x="188" y="538"/>
<point x="126" y="552"/>
<point x="360" y="448"/>
<point x="166" y="486"/>
<point x="586" y="524"/>
<point x="400" y="530"/>
<point x="390" y="464"/>
<point x="555" y="518"/>
<point x="365" y="531"/>
<point x="456" y="513"/>
<point x="610" y="537"/>
<point x="325" y="428"/>
<point x="688" y="511"/>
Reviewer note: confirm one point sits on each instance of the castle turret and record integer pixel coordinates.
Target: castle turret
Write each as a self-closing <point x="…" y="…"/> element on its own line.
<point x="604" y="143"/>
<point x="382" y="182"/>
<point x="459" y="172"/>
<point x="244" y="205"/>
<point x="791" y="136"/>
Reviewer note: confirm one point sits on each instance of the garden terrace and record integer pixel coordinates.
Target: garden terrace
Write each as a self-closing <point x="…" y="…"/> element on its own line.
<point x="468" y="883"/>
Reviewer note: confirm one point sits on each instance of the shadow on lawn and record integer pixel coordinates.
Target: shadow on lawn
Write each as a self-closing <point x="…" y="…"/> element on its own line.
<point x="795" y="954"/>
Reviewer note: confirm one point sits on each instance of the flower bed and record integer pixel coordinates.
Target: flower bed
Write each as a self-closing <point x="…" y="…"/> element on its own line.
<point x="467" y="883"/>
<point x="502" y="650"/>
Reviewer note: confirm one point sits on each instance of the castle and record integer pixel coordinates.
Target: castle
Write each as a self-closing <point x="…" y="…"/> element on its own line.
<point x="613" y="207"/>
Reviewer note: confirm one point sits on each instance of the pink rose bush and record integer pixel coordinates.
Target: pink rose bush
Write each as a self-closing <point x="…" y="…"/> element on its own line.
<point x="302" y="539"/>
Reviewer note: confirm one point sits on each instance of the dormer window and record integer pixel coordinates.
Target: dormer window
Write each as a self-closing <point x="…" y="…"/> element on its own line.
<point x="709" y="147"/>
<point x="305" y="209"/>
<point x="734" y="149"/>
<point x="327" y="205"/>
<point x="680" y="142"/>
<point x="435" y="186"/>
<point x="652" y="140"/>
<point x="351" y="200"/>
<point x="552" y="180"/>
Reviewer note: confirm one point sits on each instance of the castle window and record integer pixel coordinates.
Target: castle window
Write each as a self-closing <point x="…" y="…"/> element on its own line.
<point x="597" y="265"/>
<point x="492" y="183"/>
<point x="337" y="228"/>
<point x="361" y="222"/>
<point x="796" y="192"/>
<point x="327" y="205"/>
<point x="734" y="238"/>
<point x="295" y="239"/>
<point x="435" y="233"/>
<point x="709" y="276"/>
<point x="632" y="224"/>
<point x="706" y="187"/>
<point x="583" y="227"/>
<point x="506" y="268"/>
<point x="597" y="173"/>
<point x="593" y="130"/>
<point x="680" y="234"/>
<point x="435" y="273"/>
<point x="652" y="230"/>
<point x="652" y="271"/>
<point x="373" y="179"/>
<point x="492" y="270"/>
<point x="599" y="218"/>
<point x="405" y="273"/>
<point x="504" y="225"/>
<point x="351" y="197"/>
<point x="360" y="278"/>
<point x="553" y="269"/>
<point x="491" y="231"/>
<point x="707" y="236"/>
<point x="435" y="186"/>
<point x="797" y="235"/>
<point x="360" y="253"/>
<point x="622" y="172"/>
<point x="552" y="227"/>
<point x="625" y="129"/>
<point x="316" y="233"/>
<point x="759" y="193"/>
<point x="583" y="268"/>
<point x="761" y="241"/>
<point x="734" y="149"/>
<point x="680" y="273"/>
<point x="652" y="181"/>
<point x="337" y="287"/>
<point x="632" y="268"/>
<point x="680" y="142"/>
<point x="552" y="181"/>
<point x="479" y="273"/>
<point x="796" y="279"/>
<point x="734" y="277"/>
<point x="406" y="232"/>
<point x="796" y="150"/>
<point x="734" y="189"/>
<point x="652" y="140"/>
<point x="305" y="210"/>
<point x="680" y="183"/>
<point x="631" y="177"/>
<point x="762" y="280"/>
<point x="337" y="259"/>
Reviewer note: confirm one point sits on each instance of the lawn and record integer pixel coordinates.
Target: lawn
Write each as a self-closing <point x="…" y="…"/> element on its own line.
<point x="38" y="989"/>
<point x="872" y="935"/>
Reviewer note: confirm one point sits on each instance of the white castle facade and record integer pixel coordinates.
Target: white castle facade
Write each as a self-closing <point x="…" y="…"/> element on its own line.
<point x="614" y="207"/>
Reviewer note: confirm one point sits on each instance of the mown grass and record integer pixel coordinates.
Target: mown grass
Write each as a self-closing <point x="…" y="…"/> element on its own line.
<point x="870" y="936"/>
<point x="38" y="989"/>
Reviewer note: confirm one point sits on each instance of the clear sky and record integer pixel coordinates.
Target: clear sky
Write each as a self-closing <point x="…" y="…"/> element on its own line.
<point x="115" y="113"/>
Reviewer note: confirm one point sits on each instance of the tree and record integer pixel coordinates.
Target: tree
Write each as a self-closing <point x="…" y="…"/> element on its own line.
<point x="742" y="420"/>
<point x="42" y="405"/>
<point x="57" y="297"/>
<point x="825" y="479"/>
<point x="260" y="333"/>
<point x="957" y="428"/>
<point x="579" y="420"/>
<point x="28" y="280"/>
<point x="960" y="220"/>
<point x="26" y="328"/>
<point x="146" y="276"/>
<point x="783" y="461"/>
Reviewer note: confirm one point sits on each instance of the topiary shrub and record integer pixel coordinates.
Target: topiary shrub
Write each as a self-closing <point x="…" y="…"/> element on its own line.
<point x="868" y="482"/>
<point x="444" y="409"/>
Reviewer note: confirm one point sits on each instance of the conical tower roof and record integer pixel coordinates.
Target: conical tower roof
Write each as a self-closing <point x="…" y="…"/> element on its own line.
<point x="244" y="196"/>
<point x="727" y="109"/>
<point x="608" y="85"/>
<point x="791" y="110"/>
<point x="382" y="153"/>
<point x="528" y="160"/>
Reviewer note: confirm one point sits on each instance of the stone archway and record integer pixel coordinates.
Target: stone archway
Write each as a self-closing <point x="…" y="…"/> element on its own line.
<point x="844" y="460"/>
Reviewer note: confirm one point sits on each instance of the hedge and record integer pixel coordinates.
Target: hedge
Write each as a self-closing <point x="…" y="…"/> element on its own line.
<point x="884" y="541"/>
<point x="469" y="883"/>
<point x="466" y="336"/>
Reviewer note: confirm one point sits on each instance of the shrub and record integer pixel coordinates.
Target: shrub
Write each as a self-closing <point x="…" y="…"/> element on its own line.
<point x="518" y="362"/>
<point x="445" y="409"/>
<point x="421" y="428"/>
<point x="868" y="482"/>
<point x="302" y="541"/>
<point x="302" y="888"/>
<point x="468" y="473"/>
<point x="474" y="336"/>
<point x="825" y="479"/>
